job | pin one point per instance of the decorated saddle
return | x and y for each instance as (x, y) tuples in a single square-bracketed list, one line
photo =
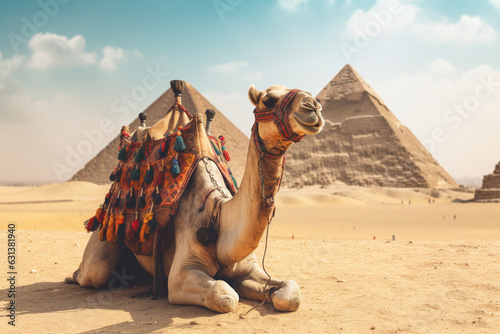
[(149, 180)]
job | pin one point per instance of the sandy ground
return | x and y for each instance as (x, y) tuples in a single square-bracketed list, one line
[(440, 275)]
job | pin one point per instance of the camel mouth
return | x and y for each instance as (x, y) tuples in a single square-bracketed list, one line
[(310, 123)]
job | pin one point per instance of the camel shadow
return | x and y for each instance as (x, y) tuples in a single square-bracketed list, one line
[(53, 299)]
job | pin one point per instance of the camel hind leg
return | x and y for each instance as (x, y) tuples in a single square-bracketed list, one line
[(98, 263)]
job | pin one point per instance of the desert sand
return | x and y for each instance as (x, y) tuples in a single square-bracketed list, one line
[(439, 275)]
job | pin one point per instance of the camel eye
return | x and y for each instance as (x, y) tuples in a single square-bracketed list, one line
[(269, 100)]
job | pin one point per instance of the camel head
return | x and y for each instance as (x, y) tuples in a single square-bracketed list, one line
[(285, 115)]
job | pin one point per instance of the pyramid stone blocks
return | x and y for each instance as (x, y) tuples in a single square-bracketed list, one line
[(491, 186), (362, 144)]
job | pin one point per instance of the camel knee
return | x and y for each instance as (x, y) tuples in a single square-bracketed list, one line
[(287, 298), (95, 277), (73, 279)]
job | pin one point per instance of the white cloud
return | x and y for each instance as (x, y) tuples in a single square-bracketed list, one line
[(495, 3), (49, 50), (6, 68), (253, 76), (239, 68), (384, 17), (291, 5), (231, 67), (442, 66), (468, 30), (112, 57), (396, 17)]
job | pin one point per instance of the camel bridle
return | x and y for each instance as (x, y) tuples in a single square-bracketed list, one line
[(280, 116)]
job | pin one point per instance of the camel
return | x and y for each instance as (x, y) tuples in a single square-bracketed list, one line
[(216, 273)]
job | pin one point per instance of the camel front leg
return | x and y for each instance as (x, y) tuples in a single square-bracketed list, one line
[(99, 260), (250, 280), (190, 283)]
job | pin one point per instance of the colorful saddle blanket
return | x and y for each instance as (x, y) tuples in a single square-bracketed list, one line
[(150, 179)]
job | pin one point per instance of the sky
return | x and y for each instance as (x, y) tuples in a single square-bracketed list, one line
[(72, 72)]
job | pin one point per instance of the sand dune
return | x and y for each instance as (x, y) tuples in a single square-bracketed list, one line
[(443, 281)]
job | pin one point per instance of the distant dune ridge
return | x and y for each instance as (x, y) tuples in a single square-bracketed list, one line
[(491, 186), (98, 169), (362, 144)]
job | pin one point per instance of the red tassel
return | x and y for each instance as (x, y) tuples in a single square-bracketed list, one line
[(90, 225), (135, 224), (163, 149), (132, 234), (226, 155), (160, 179)]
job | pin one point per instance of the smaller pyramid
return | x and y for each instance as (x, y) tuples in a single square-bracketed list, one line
[(362, 144), (98, 169), (491, 186)]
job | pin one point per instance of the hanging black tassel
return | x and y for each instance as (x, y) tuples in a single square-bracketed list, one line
[(118, 175), (157, 196), (149, 176), (152, 224), (131, 200), (142, 201), (139, 156), (136, 174), (118, 201), (122, 155), (112, 176), (121, 232)]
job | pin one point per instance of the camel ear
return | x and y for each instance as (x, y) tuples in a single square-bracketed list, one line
[(254, 95)]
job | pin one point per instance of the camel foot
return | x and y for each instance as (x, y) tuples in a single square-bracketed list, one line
[(69, 280), (72, 279), (222, 298), (287, 298)]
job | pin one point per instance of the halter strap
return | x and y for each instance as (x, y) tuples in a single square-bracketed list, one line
[(260, 147), (279, 115)]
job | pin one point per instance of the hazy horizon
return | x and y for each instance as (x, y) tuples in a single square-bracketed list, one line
[(72, 72)]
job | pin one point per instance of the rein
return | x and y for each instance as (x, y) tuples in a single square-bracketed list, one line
[(280, 116), (265, 154)]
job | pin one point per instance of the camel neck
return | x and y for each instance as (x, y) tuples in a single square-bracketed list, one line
[(245, 217)]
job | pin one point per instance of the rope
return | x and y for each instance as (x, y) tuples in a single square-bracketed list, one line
[(264, 268)]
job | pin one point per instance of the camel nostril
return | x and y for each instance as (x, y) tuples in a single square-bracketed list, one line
[(308, 105)]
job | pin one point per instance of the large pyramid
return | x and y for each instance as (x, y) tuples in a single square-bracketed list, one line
[(362, 144), (98, 169)]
